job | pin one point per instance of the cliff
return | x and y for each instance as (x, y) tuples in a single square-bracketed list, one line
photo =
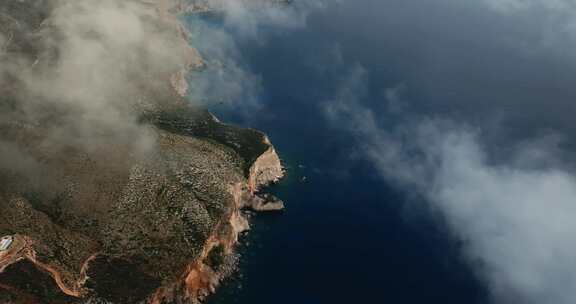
[(114, 188)]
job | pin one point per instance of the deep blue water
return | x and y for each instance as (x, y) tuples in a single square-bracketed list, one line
[(346, 236)]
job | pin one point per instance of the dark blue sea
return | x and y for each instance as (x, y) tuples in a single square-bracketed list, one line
[(346, 236)]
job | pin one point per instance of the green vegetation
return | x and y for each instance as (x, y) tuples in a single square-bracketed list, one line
[(216, 257), (199, 123)]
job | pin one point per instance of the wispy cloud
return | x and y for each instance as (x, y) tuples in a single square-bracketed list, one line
[(84, 71), (226, 79), (516, 219)]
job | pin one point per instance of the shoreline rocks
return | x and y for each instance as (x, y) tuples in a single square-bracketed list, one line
[(265, 203)]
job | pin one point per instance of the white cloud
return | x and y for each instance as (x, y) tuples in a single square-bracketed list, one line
[(86, 71), (514, 6), (247, 16), (226, 79), (517, 221)]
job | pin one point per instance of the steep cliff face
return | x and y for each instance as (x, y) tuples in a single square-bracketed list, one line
[(267, 169), (218, 260), (115, 191)]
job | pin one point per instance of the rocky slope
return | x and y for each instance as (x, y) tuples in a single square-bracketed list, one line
[(114, 188)]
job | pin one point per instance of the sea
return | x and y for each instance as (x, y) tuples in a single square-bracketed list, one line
[(346, 236)]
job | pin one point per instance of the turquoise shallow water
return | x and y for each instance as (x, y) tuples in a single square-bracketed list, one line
[(346, 237)]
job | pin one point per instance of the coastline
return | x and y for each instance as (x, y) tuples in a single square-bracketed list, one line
[(199, 278)]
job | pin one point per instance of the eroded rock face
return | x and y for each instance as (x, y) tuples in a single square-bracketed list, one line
[(266, 169), (130, 196)]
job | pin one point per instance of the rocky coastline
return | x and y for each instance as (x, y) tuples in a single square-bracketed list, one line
[(114, 226)]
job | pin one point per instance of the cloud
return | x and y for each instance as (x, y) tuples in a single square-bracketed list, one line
[(516, 219), (514, 6), (467, 57), (507, 191), (247, 17), (227, 80), (79, 73)]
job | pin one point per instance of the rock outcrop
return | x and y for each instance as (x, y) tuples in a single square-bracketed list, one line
[(264, 203), (266, 169)]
